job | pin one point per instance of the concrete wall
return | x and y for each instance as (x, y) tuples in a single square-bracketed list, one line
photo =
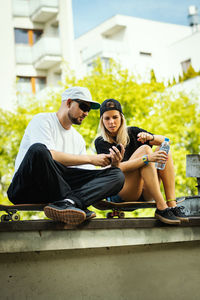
[(139, 259), (161, 271)]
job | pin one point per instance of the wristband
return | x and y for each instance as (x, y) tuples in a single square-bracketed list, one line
[(145, 159)]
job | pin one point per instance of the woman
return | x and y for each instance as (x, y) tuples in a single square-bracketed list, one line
[(137, 161)]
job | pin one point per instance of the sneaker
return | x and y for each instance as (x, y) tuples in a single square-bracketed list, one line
[(166, 216), (89, 214), (65, 211), (178, 211)]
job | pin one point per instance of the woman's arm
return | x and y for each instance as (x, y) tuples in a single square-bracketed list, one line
[(138, 162), (153, 139)]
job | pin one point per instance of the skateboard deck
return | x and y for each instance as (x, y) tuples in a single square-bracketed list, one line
[(12, 210), (118, 209)]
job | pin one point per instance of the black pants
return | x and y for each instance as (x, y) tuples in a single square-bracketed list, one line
[(40, 179)]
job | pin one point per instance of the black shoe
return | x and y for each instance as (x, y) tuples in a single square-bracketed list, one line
[(166, 216), (65, 211), (89, 214), (178, 211)]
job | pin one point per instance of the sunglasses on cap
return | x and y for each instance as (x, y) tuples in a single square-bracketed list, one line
[(82, 105)]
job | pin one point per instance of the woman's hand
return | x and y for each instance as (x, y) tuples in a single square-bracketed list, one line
[(116, 156), (158, 156), (143, 137)]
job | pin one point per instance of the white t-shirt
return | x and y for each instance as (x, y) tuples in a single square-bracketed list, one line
[(45, 128)]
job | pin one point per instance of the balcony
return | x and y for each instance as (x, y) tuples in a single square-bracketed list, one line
[(23, 54), (38, 10), (46, 53), (43, 10), (104, 47), (20, 8)]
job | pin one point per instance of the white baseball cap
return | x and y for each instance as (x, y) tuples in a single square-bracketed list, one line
[(81, 93)]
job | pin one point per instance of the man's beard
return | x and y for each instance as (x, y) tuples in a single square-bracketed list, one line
[(74, 120)]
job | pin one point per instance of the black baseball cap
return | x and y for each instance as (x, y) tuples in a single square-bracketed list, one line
[(110, 104)]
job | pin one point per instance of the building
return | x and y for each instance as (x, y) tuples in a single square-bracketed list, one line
[(36, 36), (141, 45)]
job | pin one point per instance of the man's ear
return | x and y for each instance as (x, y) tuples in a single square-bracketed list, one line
[(68, 102)]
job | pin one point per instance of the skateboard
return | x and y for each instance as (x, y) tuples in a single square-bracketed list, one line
[(12, 210), (118, 209)]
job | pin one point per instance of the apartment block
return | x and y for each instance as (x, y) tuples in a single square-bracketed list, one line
[(141, 45), (36, 37)]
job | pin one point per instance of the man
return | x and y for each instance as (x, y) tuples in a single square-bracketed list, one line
[(52, 165)]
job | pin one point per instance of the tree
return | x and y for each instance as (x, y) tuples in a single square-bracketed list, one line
[(191, 73), (153, 76)]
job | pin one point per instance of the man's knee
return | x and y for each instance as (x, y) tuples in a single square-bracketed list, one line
[(38, 150), (119, 177)]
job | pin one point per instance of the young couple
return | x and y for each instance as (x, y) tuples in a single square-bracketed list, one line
[(52, 166)]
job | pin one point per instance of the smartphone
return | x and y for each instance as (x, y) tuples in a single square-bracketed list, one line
[(118, 147)]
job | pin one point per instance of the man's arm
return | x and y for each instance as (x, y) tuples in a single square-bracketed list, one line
[(66, 159)]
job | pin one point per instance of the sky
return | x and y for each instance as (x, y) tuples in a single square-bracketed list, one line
[(87, 14)]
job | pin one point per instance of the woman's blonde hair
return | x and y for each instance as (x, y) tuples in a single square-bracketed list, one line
[(122, 135)]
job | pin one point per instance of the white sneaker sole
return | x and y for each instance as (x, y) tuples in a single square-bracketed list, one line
[(167, 221)]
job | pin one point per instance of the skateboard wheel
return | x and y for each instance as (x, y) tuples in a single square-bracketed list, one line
[(109, 215), (5, 218), (121, 215), (15, 217)]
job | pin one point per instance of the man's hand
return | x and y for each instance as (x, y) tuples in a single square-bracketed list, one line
[(143, 137), (101, 160), (116, 155)]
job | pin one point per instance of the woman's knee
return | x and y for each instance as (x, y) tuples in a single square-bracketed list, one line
[(147, 149), (142, 150)]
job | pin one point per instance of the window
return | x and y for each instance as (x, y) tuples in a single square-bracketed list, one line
[(145, 53), (185, 65), (21, 36), (105, 62), (30, 84), (27, 36), (36, 35), (40, 83)]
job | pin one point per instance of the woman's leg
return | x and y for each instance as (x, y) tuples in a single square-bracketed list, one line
[(168, 178), (145, 177)]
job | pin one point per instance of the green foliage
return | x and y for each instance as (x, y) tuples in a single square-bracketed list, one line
[(146, 105), (153, 76), (191, 73)]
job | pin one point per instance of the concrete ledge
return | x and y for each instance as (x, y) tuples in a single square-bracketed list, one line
[(44, 235)]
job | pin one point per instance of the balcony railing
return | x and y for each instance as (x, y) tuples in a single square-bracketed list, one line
[(20, 8), (23, 54), (103, 48), (43, 10), (43, 55), (39, 10), (46, 52)]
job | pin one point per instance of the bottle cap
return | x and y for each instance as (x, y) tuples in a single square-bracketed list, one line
[(166, 139)]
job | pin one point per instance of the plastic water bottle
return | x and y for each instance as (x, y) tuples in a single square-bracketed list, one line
[(164, 147)]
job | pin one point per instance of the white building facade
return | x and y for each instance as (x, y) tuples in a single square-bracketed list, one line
[(140, 45), (36, 36)]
